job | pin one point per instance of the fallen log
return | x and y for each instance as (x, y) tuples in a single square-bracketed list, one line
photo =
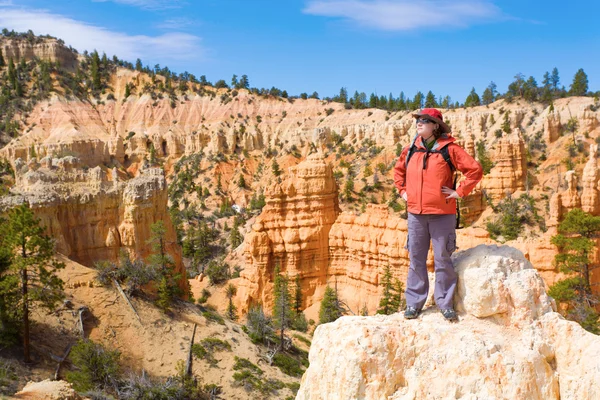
[(188, 365), (118, 286)]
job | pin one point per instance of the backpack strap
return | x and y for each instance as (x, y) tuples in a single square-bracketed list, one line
[(411, 151)]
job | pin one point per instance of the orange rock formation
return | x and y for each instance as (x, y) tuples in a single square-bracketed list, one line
[(292, 232), (92, 214), (510, 169)]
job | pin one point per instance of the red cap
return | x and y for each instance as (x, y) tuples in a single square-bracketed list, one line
[(435, 115)]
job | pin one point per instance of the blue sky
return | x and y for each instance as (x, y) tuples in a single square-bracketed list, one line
[(377, 46)]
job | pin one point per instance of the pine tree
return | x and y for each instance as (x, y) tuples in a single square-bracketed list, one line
[(489, 95), (418, 101), (32, 268), (244, 82), (472, 99), (576, 243), (138, 65), (297, 295), (555, 79), (373, 100), (430, 100), (506, 122), (343, 96), (127, 90), (349, 188), (241, 182), (447, 102), (235, 237), (231, 308), (397, 303), (530, 90), (95, 71), (401, 101), (163, 263), (2, 62), (483, 158), (385, 304), (10, 316), (275, 168), (579, 87), (282, 305), (515, 88), (330, 309)]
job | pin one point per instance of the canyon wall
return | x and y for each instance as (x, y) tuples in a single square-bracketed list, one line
[(93, 213)]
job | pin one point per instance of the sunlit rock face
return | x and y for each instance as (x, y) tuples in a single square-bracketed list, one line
[(508, 344)]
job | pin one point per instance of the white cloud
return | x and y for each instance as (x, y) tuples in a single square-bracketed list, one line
[(406, 15), (177, 23), (147, 4), (172, 46)]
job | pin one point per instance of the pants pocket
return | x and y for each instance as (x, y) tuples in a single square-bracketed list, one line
[(451, 243)]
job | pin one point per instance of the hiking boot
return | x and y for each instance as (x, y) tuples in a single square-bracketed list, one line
[(411, 312), (450, 314)]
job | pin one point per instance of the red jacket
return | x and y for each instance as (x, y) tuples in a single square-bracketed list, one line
[(423, 186)]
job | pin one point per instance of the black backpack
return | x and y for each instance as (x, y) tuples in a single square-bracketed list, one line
[(446, 154)]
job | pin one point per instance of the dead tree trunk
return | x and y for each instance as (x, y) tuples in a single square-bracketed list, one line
[(61, 361), (126, 299), (81, 311), (188, 366)]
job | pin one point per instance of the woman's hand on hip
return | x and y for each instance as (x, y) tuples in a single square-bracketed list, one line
[(404, 196), (450, 193)]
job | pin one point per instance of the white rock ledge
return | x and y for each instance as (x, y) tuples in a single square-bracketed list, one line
[(508, 344)]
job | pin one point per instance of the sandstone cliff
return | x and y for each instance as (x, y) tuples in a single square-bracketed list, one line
[(53, 50), (510, 168), (508, 344), (93, 213), (293, 233)]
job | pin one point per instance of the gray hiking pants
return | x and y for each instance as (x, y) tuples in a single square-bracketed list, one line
[(440, 230)]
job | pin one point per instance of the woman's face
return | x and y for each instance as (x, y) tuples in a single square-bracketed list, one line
[(425, 127)]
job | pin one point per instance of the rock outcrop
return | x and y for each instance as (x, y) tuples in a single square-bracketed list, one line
[(53, 50), (510, 168), (563, 202), (93, 214), (508, 344), (293, 233), (590, 196), (48, 390)]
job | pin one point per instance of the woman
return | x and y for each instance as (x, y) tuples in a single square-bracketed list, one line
[(423, 176)]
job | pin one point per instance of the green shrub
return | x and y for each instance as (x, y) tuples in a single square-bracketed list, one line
[(217, 272), (249, 376), (212, 315), (299, 323), (293, 386), (7, 372), (259, 325), (512, 215), (96, 367), (303, 339), (244, 363), (204, 296), (207, 347), (288, 365)]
